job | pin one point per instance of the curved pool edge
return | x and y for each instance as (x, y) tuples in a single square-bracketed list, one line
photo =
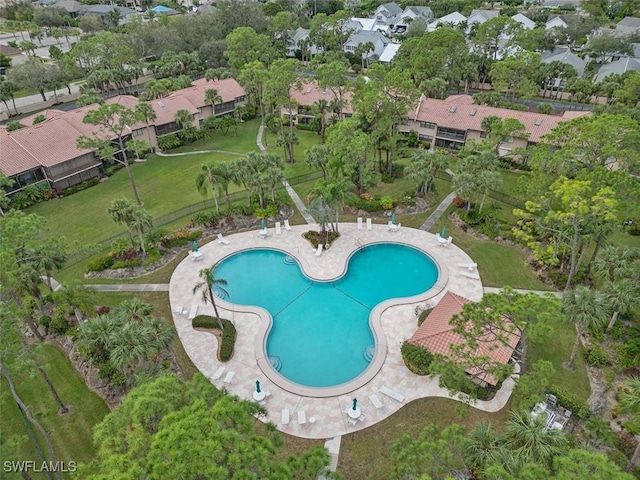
[(375, 324)]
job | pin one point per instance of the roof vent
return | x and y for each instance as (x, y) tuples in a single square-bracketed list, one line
[(538, 122), (453, 109), (161, 105), (473, 112)]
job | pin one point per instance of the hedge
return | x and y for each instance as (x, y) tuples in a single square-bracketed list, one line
[(416, 358), (570, 402), (228, 334)]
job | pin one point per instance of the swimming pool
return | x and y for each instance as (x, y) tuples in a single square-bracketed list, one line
[(321, 335)]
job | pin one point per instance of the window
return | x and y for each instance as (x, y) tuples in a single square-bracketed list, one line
[(484, 135), (425, 138), (349, 48), (137, 132), (405, 121), (428, 125)]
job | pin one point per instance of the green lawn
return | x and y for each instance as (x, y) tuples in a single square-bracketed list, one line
[(72, 434), (243, 140), (366, 453)]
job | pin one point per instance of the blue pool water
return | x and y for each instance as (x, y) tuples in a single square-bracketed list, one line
[(320, 335)]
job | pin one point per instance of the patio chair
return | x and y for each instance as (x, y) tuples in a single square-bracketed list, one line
[(178, 310), (229, 377), (193, 312), (286, 225), (369, 227), (359, 223), (468, 266), (471, 275), (222, 240), (264, 233), (376, 401), (302, 417), (278, 229), (284, 416), (319, 250), (218, 373), (392, 394)]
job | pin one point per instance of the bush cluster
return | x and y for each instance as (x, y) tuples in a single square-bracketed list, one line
[(206, 219), (80, 186), (569, 401), (31, 195), (110, 171), (416, 358), (228, 334), (180, 237), (596, 356)]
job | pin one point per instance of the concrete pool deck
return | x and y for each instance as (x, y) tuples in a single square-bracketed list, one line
[(397, 322)]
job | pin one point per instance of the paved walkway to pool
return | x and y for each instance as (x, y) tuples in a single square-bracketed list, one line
[(398, 323)]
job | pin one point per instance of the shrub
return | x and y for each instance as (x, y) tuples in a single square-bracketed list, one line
[(101, 263), (180, 237), (459, 202), (386, 202), (59, 323), (168, 142), (367, 205), (136, 262), (207, 219), (569, 401), (45, 321), (229, 334), (119, 246), (80, 186), (416, 358), (596, 356), (308, 128), (155, 235)]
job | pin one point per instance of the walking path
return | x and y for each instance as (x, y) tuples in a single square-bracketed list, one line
[(297, 201), (437, 213), (542, 293), (130, 287)]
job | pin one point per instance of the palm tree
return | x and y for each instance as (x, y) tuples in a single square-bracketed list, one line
[(49, 258), (214, 175), (465, 184), (76, 296), (323, 214), (147, 114), (531, 441), (335, 192), (321, 108), (584, 308), (629, 398), (184, 118), (211, 96), (135, 309), (208, 285), (484, 443), (121, 211), (141, 222)]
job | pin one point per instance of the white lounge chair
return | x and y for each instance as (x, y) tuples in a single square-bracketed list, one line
[(218, 373), (284, 417), (286, 225), (473, 275), (468, 266), (229, 377), (222, 240), (319, 250), (369, 227), (375, 401), (278, 229), (193, 312), (392, 394), (359, 223), (302, 417), (178, 310)]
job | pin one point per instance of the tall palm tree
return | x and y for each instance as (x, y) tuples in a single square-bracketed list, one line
[(335, 192), (484, 443), (321, 108), (214, 175), (49, 258), (141, 222), (583, 307), (121, 211), (184, 118), (322, 213), (208, 284), (629, 398), (147, 114), (531, 441), (212, 97)]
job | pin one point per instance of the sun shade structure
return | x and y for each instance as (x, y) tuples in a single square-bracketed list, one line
[(437, 336)]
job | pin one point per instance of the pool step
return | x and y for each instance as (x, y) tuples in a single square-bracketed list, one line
[(369, 352), (289, 260), (276, 363)]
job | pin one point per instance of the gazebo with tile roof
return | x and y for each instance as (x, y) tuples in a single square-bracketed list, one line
[(436, 334)]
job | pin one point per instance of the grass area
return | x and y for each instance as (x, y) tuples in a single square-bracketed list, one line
[(557, 350), (498, 265), (243, 140), (366, 453), (72, 434)]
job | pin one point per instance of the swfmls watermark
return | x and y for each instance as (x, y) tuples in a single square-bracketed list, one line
[(31, 466)]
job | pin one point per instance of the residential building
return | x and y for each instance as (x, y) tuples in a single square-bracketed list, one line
[(566, 56), (377, 39), (307, 97), (389, 52), (452, 122), (453, 19), (479, 16), (523, 20), (47, 152), (388, 14), (103, 12), (617, 67), (437, 336)]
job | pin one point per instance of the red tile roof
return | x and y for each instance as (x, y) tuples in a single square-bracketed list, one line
[(437, 335), (443, 113), (13, 158), (309, 93), (228, 88)]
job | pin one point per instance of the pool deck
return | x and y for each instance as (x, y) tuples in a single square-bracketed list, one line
[(397, 322)]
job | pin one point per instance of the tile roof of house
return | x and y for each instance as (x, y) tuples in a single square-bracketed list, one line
[(437, 335), (309, 93), (619, 66), (633, 22), (228, 88), (167, 107), (13, 158), (9, 50), (424, 11), (389, 52), (454, 18), (523, 20), (364, 36), (463, 117), (393, 8), (565, 55), (486, 14)]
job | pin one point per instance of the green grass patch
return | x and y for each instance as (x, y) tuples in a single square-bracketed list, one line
[(498, 265), (71, 435), (242, 140), (366, 453)]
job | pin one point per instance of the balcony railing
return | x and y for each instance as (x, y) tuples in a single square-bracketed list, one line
[(460, 137)]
